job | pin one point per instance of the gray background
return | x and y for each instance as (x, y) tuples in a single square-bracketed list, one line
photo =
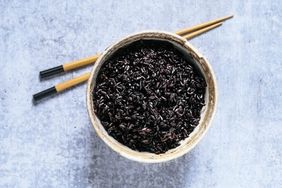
[(54, 145)]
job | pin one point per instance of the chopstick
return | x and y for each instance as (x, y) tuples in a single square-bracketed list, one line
[(90, 60), (203, 25), (68, 66), (201, 31), (61, 87), (84, 77)]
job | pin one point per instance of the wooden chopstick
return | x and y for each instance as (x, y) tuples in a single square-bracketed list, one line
[(84, 77), (61, 87), (68, 66), (203, 25), (90, 60), (201, 31)]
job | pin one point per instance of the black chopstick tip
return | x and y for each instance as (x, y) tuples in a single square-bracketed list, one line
[(51, 72), (43, 94)]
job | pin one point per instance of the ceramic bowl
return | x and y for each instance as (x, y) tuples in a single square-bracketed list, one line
[(206, 115)]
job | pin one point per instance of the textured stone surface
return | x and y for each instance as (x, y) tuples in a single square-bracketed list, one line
[(54, 145)]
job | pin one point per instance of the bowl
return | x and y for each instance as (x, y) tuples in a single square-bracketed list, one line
[(207, 112)]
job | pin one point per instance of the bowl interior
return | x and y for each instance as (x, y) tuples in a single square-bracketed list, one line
[(206, 114)]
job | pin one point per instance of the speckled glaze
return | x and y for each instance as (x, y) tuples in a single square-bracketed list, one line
[(207, 112)]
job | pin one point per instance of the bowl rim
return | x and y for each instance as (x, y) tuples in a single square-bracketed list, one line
[(145, 156)]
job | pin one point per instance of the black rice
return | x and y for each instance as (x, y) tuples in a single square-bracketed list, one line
[(148, 96)]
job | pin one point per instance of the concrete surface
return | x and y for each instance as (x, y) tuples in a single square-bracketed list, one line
[(54, 145)]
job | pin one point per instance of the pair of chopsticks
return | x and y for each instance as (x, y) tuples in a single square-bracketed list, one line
[(187, 33)]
